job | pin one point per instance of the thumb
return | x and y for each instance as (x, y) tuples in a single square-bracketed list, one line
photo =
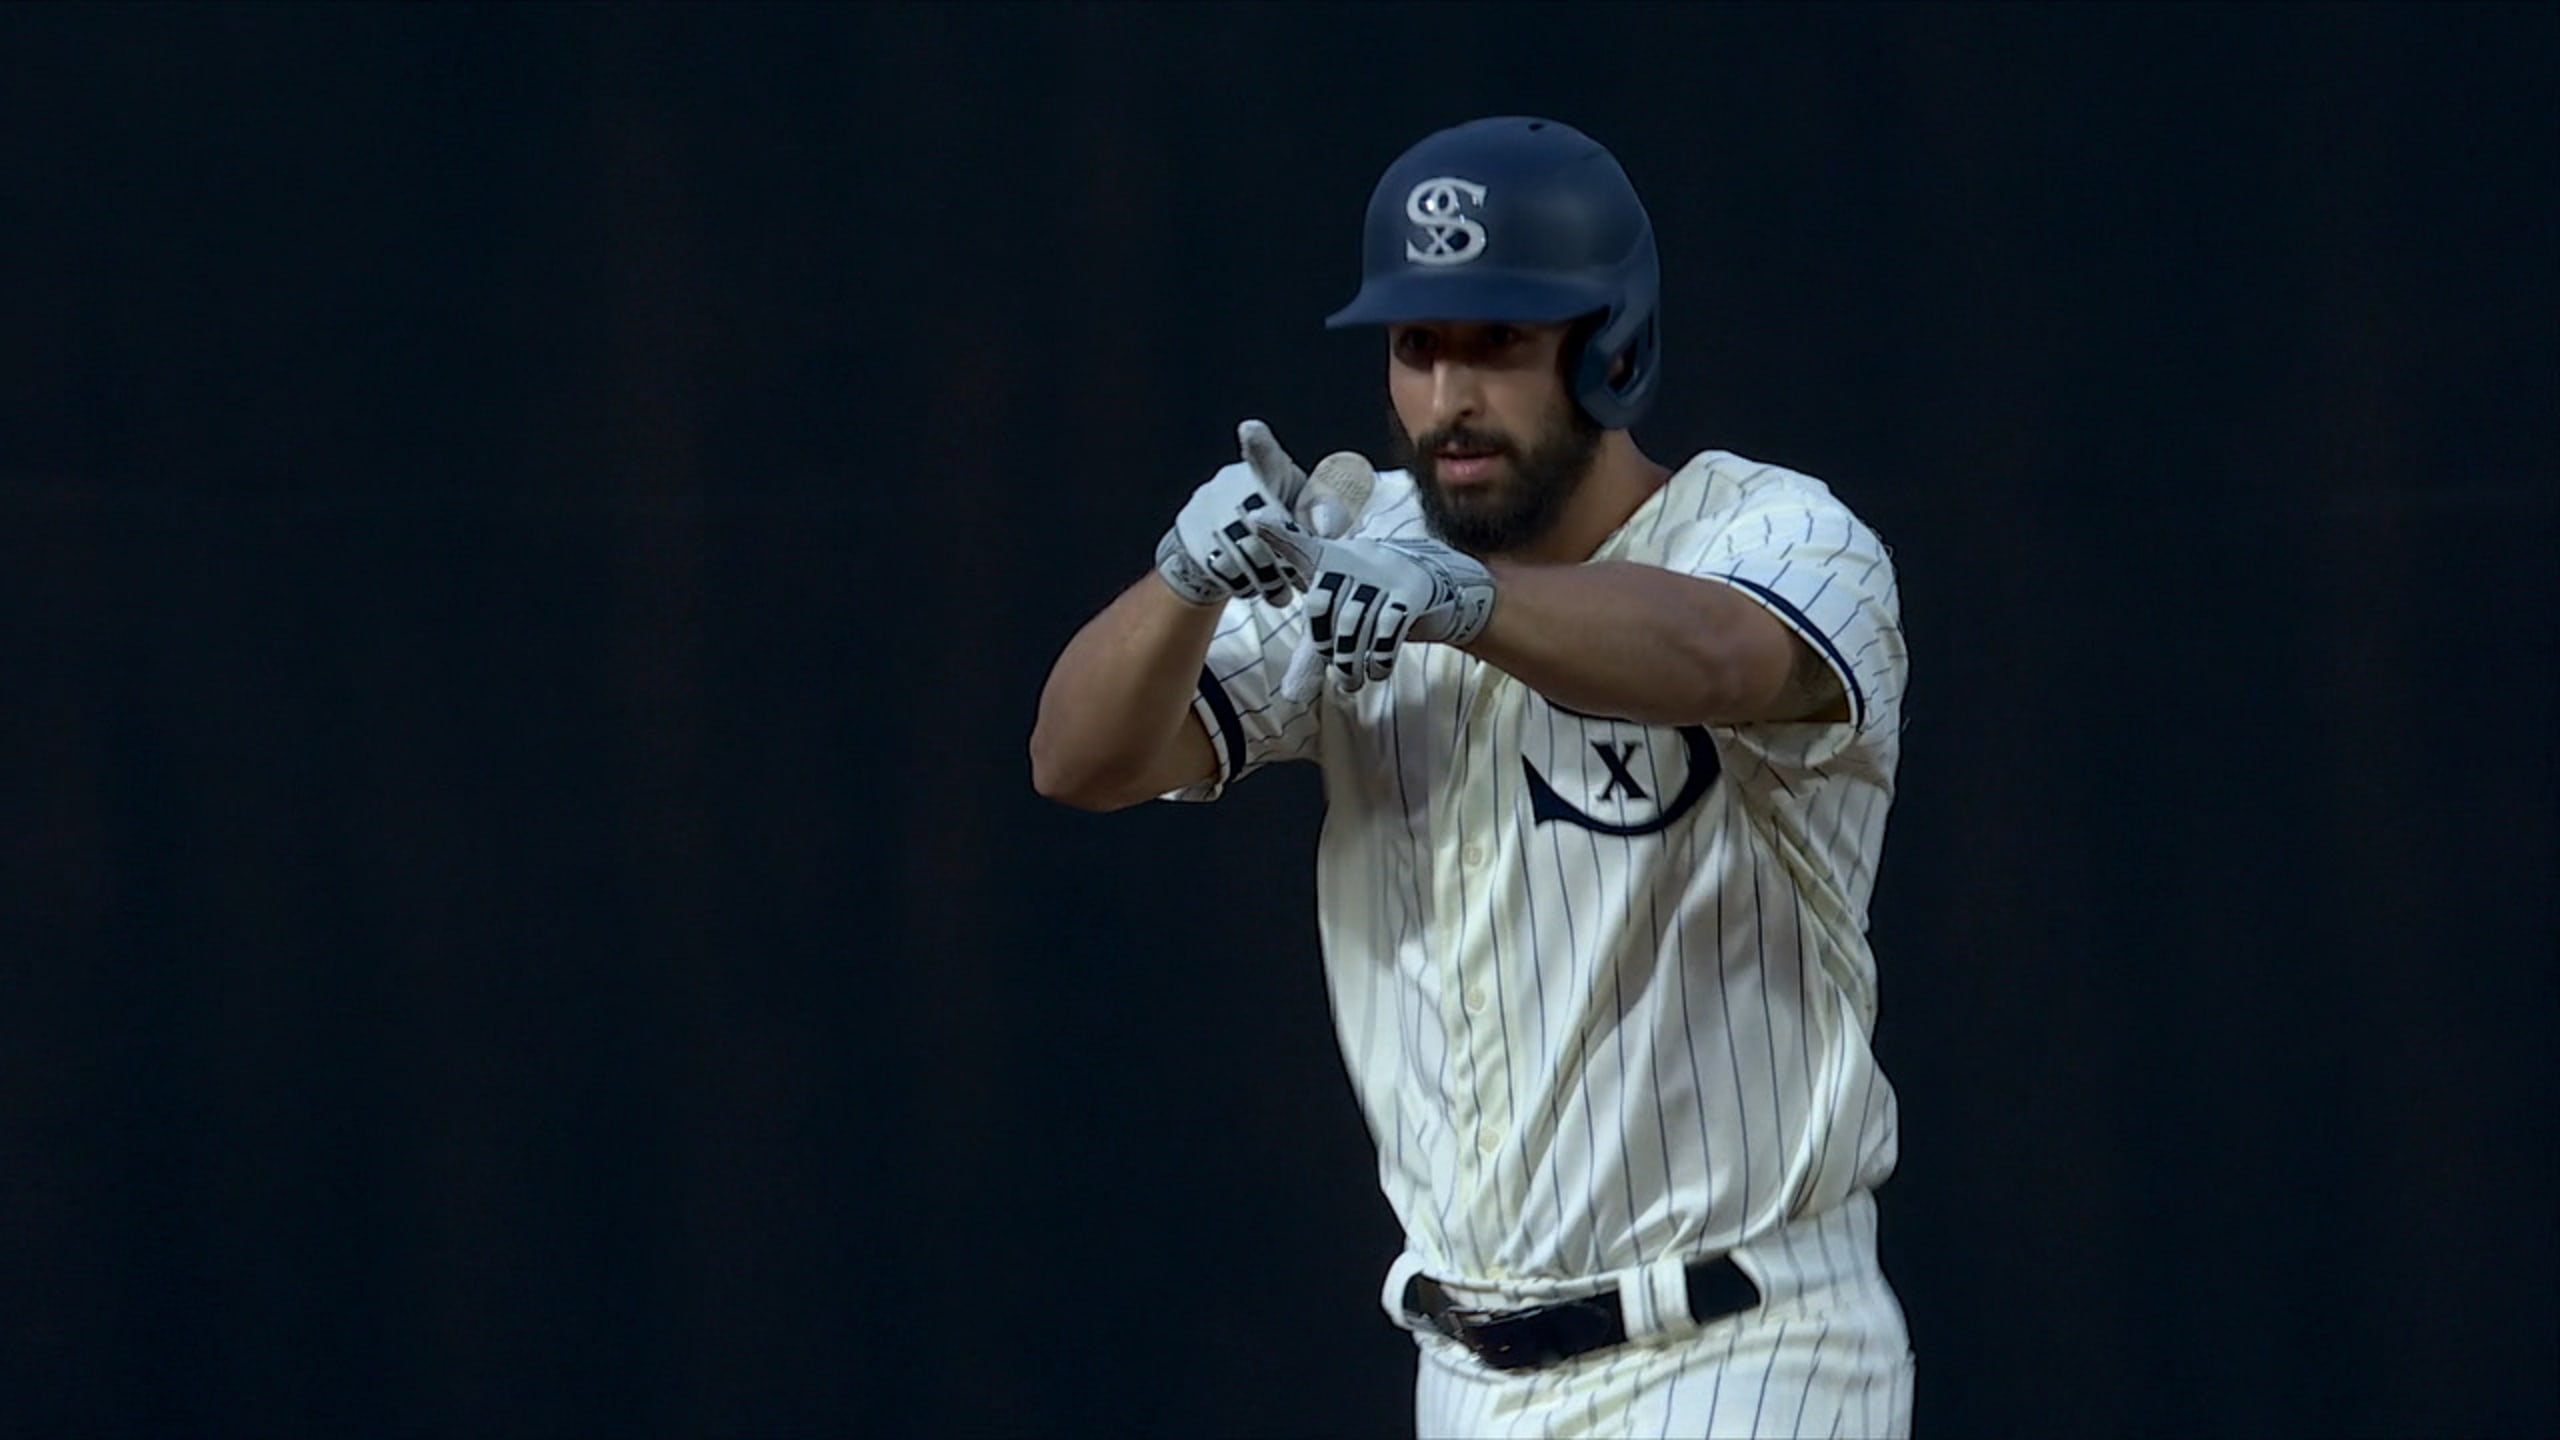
[(1271, 465)]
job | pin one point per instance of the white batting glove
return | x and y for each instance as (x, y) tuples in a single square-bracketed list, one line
[(1367, 597), (1212, 555)]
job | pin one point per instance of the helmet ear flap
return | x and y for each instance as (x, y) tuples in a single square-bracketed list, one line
[(1619, 367)]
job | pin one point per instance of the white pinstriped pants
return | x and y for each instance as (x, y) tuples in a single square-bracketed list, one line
[(1827, 1355)]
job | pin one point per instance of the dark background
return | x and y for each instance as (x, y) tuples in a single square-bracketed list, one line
[(530, 539)]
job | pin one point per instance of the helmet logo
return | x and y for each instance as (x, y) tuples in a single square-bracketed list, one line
[(1449, 235)]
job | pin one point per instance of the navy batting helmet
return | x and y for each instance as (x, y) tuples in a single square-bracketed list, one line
[(1527, 220)]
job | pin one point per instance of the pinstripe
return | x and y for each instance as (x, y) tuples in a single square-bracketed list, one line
[(1427, 1019), (1806, 981), (1873, 1107), (1689, 1042), (1768, 1017), (1547, 1059), (1590, 1259), (1812, 1372), (1733, 1056), (1760, 1402), (1511, 1212), (1454, 989), (1404, 800), (1618, 1036), (1816, 598), (1454, 984), (1659, 504), (1608, 1375), (1724, 1367), (1653, 1052)]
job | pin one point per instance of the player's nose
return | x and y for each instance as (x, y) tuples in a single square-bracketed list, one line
[(1457, 394)]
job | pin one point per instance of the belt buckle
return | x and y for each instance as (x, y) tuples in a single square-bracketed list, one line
[(1473, 1329), (1459, 1323)]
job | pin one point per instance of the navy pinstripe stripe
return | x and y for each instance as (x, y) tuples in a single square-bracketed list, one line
[(1580, 1068), (1230, 726), (1732, 1055), (1420, 912), (1618, 1036), (1812, 1372), (1777, 1347), (1483, 705), (1769, 1030), (1815, 633), (1654, 1056), (1689, 1027)]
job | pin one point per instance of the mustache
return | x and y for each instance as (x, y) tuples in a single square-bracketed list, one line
[(1460, 437)]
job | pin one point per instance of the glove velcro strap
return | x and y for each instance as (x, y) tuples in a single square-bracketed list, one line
[(1185, 576)]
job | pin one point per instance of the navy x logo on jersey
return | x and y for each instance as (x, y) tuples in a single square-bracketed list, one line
[(1605, 764), (1615, 757)]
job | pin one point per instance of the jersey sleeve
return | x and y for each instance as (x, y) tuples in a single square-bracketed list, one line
[(1827, 577), (1239, 703)]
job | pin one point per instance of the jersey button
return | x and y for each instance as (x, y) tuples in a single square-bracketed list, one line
[(1473, 854), (1475, 999), (1488, 1140)]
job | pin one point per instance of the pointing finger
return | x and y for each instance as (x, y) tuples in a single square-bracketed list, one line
[(1279, 474)]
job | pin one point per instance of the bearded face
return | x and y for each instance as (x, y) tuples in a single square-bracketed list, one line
[(1489, 491)]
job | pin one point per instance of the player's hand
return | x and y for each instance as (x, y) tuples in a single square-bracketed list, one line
[(1212, 554), (1367, 597)]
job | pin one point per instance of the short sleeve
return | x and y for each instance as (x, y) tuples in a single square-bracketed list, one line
[(1239, 703), (1826, 576)]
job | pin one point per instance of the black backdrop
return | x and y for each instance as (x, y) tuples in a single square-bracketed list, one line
[(532, 537)]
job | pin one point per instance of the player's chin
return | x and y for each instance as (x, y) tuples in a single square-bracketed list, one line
[(1487, 490)]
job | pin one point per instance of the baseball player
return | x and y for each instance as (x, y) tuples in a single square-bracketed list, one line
[(1607, 750)]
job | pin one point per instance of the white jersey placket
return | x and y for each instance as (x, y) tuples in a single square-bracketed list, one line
[(1471, 858)]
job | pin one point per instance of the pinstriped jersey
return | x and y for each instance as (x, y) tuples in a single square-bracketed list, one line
[(1603, 988)]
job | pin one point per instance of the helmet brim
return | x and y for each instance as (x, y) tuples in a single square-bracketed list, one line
[(1476, 295)]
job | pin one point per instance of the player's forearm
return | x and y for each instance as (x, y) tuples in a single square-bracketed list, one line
[(1635, 642), (1120, 693)]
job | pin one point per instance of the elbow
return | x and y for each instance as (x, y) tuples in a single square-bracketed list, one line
[(1052, 778), (1081, 787), (1743, 676)]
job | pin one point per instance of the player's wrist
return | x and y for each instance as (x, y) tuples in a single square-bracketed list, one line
[(1463, 591), (1185, 576)]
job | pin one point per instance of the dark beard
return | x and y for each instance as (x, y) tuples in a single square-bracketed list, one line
[(1517, 510)]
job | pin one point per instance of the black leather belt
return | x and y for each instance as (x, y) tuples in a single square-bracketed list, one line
[(1545, 1334)]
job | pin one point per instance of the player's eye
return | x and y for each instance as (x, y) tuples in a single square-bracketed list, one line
[(1415, 347), (1501, 337)]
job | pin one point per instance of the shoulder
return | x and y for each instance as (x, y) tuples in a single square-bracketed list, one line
[(1720, 485), (1719, 502)]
